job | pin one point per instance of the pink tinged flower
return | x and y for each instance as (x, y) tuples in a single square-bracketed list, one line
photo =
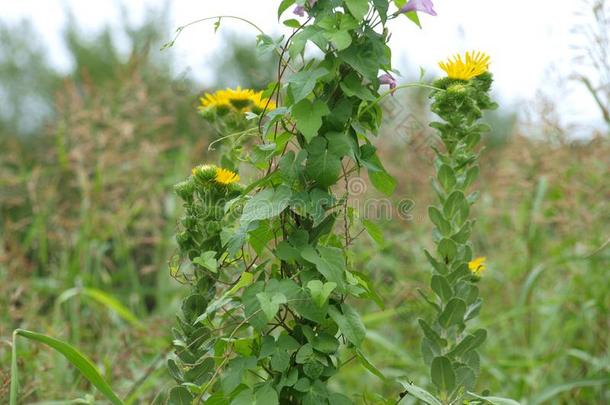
[(425, 6), (299, 10), (388, 79)]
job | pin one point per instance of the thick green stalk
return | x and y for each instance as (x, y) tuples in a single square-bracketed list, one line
[(449, 346)]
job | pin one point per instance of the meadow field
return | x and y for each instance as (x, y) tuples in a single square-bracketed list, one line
[(88, 217)]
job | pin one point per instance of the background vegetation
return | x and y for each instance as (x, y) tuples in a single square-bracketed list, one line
[(87, 215)]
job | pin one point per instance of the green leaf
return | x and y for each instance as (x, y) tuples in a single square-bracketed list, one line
[(463, 234), (270, 304), (283, 7), (358, 8), (352, 86), (366, 57), (260, 237), (292, 23), (383, 182), (349, 322), (266, 395), (308, 116), (465, 378), (301, 84), (470, 342), (329, 261), (431, 334), (280, 361), (447, 249), (304, 354), (322, 165), (233, 374), (267, 204), (340, 144), (418, 393), (496, 400), (207, 260), (471, 176), (446, 177), (439, 220), (279, 351), (325, 343), (442, 374), (180, 396), (441, 287), (244, 281), (456, 203), (374, 231), (291, 166), (382, 8), (412, 15), (341, 39), (75, 357), (286, 252), (320, 292), (438, 266), (369, 366), (339, 399), (309, 33), (244, 397), (453, 314)]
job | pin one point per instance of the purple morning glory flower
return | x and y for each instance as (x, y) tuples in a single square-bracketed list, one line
[(425, 6), (299, 10), (388, 79)]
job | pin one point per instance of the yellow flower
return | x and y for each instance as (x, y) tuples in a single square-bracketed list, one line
[(214, 100), (476, 64), (239, 100), (477, 266), (225, 177), (259, 102)]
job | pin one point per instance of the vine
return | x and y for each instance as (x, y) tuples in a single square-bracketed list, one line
[(270, 318)]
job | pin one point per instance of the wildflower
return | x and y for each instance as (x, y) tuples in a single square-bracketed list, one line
[(260, 103), (425, 6), (477, 266), (225, 176), (237, 100), (475, 64), (300, 10), (388, 79), (216, 100)]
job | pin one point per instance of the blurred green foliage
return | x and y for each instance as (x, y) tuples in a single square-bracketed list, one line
[(87, 162)]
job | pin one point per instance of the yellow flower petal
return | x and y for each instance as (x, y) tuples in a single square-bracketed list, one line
[(225, 177), (474, 64), (238, 100), (477, 266)]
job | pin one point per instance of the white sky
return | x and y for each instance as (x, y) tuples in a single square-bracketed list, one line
[(530, 42)]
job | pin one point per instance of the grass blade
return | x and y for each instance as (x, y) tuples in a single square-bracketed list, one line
[(554, 390), (104, 299), (495, 400), (79, 360), (14, 377), (113, 304)]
